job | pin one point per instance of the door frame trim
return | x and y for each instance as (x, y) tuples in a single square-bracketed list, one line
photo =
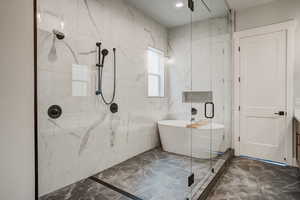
[(289, 27)]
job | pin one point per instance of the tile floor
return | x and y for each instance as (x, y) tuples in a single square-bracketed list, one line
[(158, 175), (254, 180), (155, 175), (85, 190)]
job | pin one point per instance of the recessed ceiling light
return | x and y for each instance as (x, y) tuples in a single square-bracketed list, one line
[(179, 4)]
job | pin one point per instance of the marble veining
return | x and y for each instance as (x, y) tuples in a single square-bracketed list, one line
[(92, 18), (87, 134), (158, 175), (88, 138), (60, 127), (153, 175), (249, 179), (85, 190)]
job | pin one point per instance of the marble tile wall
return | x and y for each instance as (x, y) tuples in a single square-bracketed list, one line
[(87, 138)]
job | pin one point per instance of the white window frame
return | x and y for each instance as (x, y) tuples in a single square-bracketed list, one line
[(160, 75)]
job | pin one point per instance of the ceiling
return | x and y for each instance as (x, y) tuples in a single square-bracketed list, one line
[(166, 13), (243, 4)]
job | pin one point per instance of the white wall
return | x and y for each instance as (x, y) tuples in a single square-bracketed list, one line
[(16, 100), (275, 12)]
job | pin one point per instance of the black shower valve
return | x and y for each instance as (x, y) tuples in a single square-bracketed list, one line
[(114, 108), (54, 111)]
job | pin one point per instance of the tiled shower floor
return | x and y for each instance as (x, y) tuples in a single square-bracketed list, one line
[(153, 175), (156, 175), (85, 190)]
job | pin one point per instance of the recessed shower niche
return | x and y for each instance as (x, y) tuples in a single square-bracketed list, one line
[(119, 105)]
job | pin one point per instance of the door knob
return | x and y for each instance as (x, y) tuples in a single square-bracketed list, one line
[(280, 113)]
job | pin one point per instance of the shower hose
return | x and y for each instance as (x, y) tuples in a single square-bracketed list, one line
[(100, 77)]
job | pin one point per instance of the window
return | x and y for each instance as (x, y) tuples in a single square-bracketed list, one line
[(156, 77)]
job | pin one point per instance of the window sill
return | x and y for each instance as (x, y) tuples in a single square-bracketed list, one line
[(164, 99)]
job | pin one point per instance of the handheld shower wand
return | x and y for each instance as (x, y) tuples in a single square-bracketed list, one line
[(104, 53), (100, 65)]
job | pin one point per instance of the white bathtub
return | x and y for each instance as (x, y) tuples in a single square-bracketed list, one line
[(195, 142)]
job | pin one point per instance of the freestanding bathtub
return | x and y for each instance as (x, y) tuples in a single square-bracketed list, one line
[(202, 142)]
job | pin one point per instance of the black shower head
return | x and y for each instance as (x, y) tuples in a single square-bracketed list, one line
[(59, 35), (98, 44), (104, 54)]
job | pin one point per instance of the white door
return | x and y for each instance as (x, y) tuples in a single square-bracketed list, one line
[(263, 95)]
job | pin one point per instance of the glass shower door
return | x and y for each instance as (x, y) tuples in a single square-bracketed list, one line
[(200, 98), (210, 90), (221, 84)]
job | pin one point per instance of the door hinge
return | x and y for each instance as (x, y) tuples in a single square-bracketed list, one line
[(239, 49), (191, 180), (239, 79), (239, 139), (239, 108)]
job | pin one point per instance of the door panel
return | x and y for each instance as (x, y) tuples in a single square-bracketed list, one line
[(263, 93)]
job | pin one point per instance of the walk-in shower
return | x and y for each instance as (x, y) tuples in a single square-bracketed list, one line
[(134, 98)]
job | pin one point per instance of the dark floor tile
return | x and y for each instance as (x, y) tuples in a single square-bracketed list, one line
[(153, 175), (156, 175), (85, 190), (249, 179)]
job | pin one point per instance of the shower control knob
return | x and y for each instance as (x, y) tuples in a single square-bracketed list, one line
[(54, 111), (114, 108)]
